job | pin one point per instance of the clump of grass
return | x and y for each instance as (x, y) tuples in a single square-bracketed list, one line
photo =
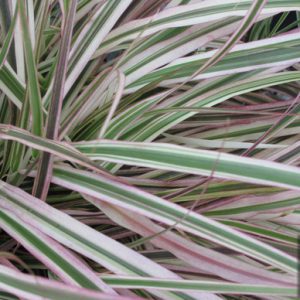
[(149, 149)]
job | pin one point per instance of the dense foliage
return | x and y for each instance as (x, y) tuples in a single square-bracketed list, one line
[(149, 149)]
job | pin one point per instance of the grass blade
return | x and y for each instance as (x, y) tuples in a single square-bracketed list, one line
[(32, 77), (42, 182), (37, 288)]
